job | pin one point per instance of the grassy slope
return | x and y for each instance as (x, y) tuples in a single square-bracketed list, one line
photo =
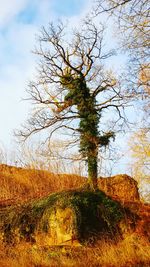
[(18, 184)]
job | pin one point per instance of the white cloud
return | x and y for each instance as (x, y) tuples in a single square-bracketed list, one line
[(9, 9), (17, 66), (17, 63), (12, 109)]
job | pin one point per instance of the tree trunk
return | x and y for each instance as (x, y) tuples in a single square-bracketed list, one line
[(92, 170)]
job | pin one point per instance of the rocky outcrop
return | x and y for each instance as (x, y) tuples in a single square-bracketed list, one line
[(120, 186)]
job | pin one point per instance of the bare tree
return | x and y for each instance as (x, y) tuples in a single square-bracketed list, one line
[(133, 21), (72, 91)]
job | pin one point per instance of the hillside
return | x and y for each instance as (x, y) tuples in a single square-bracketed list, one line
[(22, 184), (39, 209), (19, 184)]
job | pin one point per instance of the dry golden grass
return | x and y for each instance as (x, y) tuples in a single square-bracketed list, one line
[(133, 251), (18, 184)]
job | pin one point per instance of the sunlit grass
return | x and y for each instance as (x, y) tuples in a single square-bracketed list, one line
[(23, 184), (131, 251)]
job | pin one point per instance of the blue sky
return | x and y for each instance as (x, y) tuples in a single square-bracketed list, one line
[(68, 7)]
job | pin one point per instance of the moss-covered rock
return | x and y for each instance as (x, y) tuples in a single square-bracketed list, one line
[(66, 217)]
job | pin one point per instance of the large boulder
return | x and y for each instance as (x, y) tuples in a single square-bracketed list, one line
[(69, 217), (122, 187)]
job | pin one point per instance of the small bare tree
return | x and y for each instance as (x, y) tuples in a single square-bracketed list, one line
[(72, 91)]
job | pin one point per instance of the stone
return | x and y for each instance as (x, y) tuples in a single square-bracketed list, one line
[(61, 225), (122, 187)]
